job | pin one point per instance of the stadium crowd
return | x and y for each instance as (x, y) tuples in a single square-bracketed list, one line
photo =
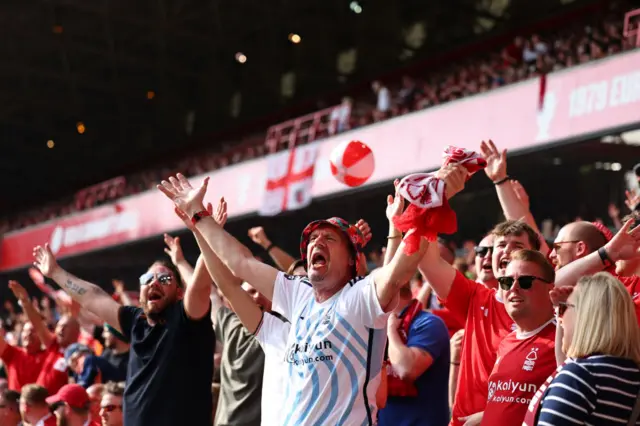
[(527, 56), (536, 332)]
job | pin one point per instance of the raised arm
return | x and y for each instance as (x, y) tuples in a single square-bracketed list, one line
[(513, 199), (389, 278), (243, 305), (39, 326), (395, 206), (624, 245), (230, 251), (281, 258), (88, 295), (174, 250)]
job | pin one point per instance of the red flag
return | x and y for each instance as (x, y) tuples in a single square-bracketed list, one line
[(289, 180)]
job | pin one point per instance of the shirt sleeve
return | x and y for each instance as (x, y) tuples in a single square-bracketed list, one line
[(290, 292), (127, 316), (460, 295), (9, 354), (429, 333), (570, 399), (273, 334), (360, 303)]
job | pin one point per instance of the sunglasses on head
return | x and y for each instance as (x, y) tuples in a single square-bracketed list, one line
[(482, 250), (524, 281), (163, 278), (110, 408), (562, 307)]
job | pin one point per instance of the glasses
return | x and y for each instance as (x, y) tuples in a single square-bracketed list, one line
[(524, 281), (562, 307), (556, 246), (164, 278), (482, 250), (110, 408)]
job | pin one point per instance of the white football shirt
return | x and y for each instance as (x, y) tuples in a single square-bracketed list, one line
[(272, 336), (334, 352)]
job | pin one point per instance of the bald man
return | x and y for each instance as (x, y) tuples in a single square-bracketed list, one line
[(574, 241)]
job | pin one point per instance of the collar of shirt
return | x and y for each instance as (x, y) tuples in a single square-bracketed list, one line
[(42, 420)]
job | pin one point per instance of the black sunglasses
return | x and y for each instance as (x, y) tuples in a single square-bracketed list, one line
[(164, 279), (482, 250), (562, 307), (524, 281)]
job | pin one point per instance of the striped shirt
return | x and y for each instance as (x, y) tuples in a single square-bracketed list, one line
[(597, 390), (334, 352)]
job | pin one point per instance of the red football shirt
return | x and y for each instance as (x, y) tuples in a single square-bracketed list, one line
[(632, 285), (54, 374), (525, 361), (486, 324), (22, 368)]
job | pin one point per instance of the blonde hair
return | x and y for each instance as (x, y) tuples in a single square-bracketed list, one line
[(606, 320)]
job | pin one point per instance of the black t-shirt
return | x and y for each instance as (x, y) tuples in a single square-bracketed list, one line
[(170, 368)]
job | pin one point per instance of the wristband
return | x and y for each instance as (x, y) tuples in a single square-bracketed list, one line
[(501, 181), (604, 256), (199, 215), (268, 249), (392, 237), (454, 363)]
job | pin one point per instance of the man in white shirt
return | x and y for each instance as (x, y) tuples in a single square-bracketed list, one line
[(336, 341)]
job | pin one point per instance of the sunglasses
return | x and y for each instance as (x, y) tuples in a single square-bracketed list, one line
[(556, 246), (482, 250), (110, 408), (164, 278), (524, 281), (562, 307)]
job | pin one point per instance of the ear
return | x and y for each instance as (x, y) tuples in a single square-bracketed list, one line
[(581, 249), (180, 293)]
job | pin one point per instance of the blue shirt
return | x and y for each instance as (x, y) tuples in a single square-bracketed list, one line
[(431, 407)]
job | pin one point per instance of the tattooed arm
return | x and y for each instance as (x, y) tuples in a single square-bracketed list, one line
[(89, 296)]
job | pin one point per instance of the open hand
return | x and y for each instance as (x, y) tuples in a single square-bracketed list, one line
[(173, 249), (496, 169), (45, 261), (118, 286), (19, 292), (221, 212), (184, 196), (625, 244)]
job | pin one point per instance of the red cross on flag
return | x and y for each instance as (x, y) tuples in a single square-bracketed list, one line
[(289, 180)]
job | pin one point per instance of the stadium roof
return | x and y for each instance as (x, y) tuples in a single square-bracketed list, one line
[(129, 73)]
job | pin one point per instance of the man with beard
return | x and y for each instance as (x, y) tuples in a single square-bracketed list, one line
[(72, 406), (9, 408), (483, 311), (172, 340), (337, 335)]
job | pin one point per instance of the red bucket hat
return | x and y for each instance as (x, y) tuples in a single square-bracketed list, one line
[(352, 233)]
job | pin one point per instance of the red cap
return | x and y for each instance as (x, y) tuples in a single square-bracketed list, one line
[(73, 395)]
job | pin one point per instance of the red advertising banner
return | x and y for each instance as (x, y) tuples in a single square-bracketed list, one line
[(590, 98)]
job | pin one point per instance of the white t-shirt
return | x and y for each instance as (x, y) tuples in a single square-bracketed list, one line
[(272, 336), (334, 352)]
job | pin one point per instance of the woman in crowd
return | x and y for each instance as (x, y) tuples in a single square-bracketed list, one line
[(600, 382)]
